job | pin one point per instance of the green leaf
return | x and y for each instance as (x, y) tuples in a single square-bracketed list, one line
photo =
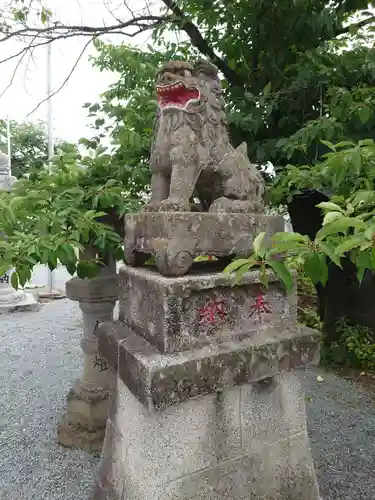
[(237, 264), (315, 266), (242, 270), (289, 236), (349, 244), (87, 269), (357, 161), (363, 260), (257, 244), (331, 216), (267, 88), (329, 250), (52, 261), (345, 144), (373, 258), (364, 114), (14, 280), (65, 254), (370, 232), (366, 142), (329, 144), (71, 268), (360, 273), (340, 225), (282, 272), (328, 205)]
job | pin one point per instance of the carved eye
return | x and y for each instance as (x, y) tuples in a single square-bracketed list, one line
[(187, 72)]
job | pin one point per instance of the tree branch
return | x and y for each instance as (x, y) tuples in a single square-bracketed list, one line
[(360, 24), (201, 44), (60, 29), (68, 76)]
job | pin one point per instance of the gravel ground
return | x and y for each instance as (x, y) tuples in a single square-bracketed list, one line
[(40, 357), (341, 422)]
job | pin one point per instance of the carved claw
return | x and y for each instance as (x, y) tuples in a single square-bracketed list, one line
[(151, 207), (174, 205)]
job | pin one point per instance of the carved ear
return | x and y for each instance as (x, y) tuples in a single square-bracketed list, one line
[(242, 149), (203, 66)]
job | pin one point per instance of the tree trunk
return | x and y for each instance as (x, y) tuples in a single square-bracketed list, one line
[(342, 297)]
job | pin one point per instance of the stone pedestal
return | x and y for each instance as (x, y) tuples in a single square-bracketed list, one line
[(175, 238), (83, 425), (205, 404)]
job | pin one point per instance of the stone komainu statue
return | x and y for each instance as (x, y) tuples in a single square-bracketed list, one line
[(191, 155)]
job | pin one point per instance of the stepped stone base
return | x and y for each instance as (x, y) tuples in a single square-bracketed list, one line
[(204, 403)]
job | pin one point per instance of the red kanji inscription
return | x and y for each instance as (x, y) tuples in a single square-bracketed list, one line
[(260, 307), (212, 311)]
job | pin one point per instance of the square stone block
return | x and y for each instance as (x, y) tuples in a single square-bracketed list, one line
[(271, 410), (203, 448), (182, 439), (161, 380), (177, 314), (262, 475), (112, 463), (175, 238)]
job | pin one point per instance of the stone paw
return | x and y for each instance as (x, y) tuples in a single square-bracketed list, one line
[(225, 205), (174, 205), (151, 207)]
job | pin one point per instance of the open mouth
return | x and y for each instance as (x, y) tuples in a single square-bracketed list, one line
[(176, 95)]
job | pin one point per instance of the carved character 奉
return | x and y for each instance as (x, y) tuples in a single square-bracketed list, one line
[(191, 154)]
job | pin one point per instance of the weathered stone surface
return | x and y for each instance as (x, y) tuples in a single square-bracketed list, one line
[(191, 149), (93, 290), (77, 436), (113, 462), (161, 380), (204, 405), (176, 314), (83, 424), (87, 408), (204, 448), (175, 238)]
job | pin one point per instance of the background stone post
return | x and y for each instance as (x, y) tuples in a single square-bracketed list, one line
[(83, 424), (11, 299)]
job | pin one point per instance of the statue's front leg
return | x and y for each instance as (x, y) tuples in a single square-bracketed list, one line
[(185, 172), (159, 191)]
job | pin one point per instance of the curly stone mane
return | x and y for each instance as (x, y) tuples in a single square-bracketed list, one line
[(206, 116)]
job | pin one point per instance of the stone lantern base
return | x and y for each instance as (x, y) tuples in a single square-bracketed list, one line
[(12, 300)]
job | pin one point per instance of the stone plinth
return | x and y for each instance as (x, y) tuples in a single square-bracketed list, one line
[(176, 238), (83, 424), (217, 416), (201, 309)]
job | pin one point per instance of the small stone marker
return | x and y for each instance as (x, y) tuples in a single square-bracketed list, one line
[(12, 300)]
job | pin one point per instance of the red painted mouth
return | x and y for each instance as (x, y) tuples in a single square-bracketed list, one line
[(176, 95)]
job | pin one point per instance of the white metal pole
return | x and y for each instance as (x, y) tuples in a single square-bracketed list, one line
[(9, 142), (50, 138)]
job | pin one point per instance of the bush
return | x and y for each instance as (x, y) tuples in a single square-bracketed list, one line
[(355, 349)]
